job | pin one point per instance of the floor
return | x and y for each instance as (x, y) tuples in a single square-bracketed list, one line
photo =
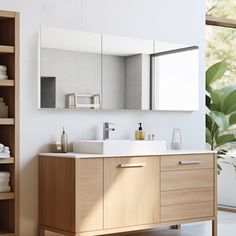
[(226, 227)]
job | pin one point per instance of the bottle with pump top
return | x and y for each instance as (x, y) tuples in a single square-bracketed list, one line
[(140, 134)]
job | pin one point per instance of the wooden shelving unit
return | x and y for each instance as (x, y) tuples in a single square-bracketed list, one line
[(9, 127)]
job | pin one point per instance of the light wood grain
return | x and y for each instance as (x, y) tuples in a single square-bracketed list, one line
[(9, 160), (57, 192), (89, 194), (6, 49), (7, 196), (187, 196), (188, 179), (186, 211), (174, 162), (217, 21), (131, 195), (7, 121), (7, 14), (7, 82)]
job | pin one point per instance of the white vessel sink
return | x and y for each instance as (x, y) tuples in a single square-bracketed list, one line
[(119, 147)]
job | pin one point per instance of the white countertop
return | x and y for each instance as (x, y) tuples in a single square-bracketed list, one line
[(81, 155)]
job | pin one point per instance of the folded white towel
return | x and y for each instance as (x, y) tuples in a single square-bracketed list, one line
[(5, 189), (6, 149), (3, 68), (3, 77), (4, 184), (2, 72), (5, 174), (1, 147), (4, 155), (4, 179)]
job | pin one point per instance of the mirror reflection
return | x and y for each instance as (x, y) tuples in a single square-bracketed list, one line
[(70, 69), (83, 70)]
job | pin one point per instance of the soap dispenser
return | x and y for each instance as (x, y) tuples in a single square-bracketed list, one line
[(64, 142), (140, 134)]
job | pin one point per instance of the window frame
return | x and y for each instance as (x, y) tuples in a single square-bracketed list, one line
[(218, 21)]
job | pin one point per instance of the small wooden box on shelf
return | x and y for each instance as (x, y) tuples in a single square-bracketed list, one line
[(9, 127)]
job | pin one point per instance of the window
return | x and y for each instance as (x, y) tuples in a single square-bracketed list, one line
[(221, 37)]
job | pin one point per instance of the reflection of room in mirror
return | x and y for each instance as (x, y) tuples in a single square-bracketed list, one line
[(75, 72), (87, 70)]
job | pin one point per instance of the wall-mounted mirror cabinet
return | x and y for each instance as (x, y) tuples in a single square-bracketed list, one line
[(83, 70)]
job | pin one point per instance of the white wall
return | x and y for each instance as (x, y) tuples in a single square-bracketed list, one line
[(178, 21)]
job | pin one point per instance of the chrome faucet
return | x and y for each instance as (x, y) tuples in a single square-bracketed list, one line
[(107, 129)]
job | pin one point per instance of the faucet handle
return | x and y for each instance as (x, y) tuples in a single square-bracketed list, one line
[(108, 123)]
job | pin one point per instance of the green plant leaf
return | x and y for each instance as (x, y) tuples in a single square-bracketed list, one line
[(214, 73), (208, 102), (208, 122), (220, 119), (208, 136), (225, 91), (224, 139), (216, 99), (229, 103), (232, 119)]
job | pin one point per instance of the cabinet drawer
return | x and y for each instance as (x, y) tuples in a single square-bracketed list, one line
[(187, 162), (186, 196), (188, 179), (186, 211)]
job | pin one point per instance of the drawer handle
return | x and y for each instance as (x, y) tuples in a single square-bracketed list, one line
[(132, 165), (190, 162)]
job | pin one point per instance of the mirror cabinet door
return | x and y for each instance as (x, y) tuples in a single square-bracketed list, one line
[(70, 69), (80, 69), (175, 78), (126, 73)]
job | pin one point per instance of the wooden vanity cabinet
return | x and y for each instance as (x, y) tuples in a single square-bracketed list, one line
[(98, 196)]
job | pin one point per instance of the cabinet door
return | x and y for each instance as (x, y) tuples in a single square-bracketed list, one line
[(89, 194), (131, 191)]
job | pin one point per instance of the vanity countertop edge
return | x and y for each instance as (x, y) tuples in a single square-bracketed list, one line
[(167, 153)]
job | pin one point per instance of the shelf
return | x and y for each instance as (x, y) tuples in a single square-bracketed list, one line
[(9, 160), (7, 121), (7, 82), (5, 233), (7, 196), (6, 49)]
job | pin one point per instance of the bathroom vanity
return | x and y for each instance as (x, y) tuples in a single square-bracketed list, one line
[(97, 194)]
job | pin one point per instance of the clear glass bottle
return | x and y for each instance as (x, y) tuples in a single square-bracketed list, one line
[(176, 139)]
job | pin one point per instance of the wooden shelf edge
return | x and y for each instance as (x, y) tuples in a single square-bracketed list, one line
[(7, 14), (7, 82), (7, 196), (7, 234), (9, 160), (6, 49), (7, 121)]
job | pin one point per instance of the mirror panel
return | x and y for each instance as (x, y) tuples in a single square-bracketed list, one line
[(175, 80), (86, 70), (70, 69), (126, 73)]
